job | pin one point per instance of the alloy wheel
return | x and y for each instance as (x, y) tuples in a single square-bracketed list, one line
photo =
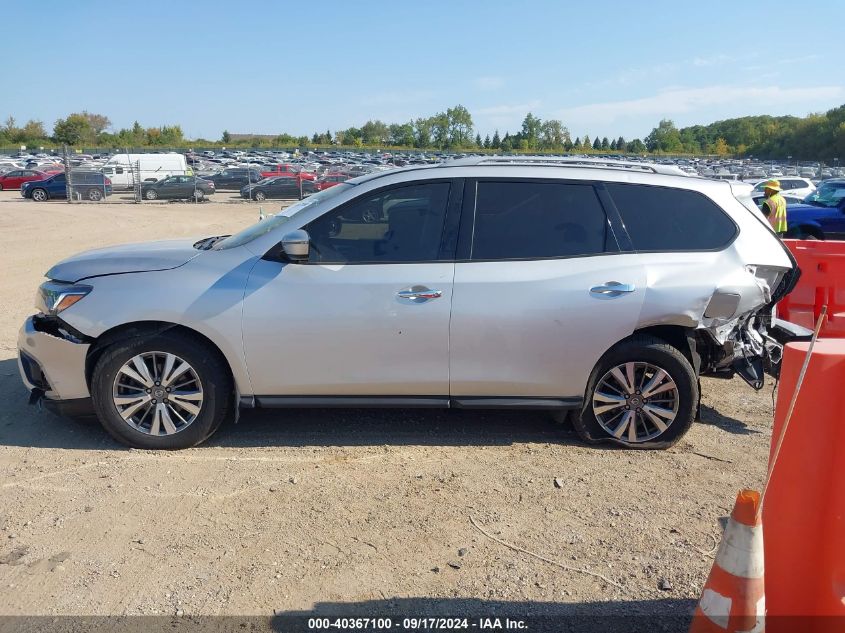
[(635, 402), (157, 393)]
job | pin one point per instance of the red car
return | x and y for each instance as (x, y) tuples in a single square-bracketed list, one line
[(329, 180), (14, 179), (289, 171)]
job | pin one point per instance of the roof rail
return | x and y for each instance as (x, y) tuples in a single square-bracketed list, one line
[(568, 161)]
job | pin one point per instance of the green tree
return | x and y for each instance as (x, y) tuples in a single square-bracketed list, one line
[(531, 129), (459, 123), (605, 144), (487, 142), (597, 144), (478, 141), (422, 132), (576, 144), (72, 130), (664, 138), (636, 147), (440, 130), (553, 134), (620, 144), (496, 142), (586, 144), (375, 133), (402, 134), (226, 137)]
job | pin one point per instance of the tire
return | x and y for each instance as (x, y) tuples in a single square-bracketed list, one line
[(199, 196), (151, 194), (678, 395), (40, 195), (95, 195), (1, 187), (163, 422), (259, 196)]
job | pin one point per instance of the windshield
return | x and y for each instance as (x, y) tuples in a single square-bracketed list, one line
[(268, 224), (829, 194)]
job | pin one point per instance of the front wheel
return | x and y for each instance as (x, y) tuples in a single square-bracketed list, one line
[(151, 194), (260, 196), (164, 391), (643, 393), (39, 195)]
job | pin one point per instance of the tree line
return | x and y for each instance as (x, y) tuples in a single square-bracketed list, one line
[(816, 136)]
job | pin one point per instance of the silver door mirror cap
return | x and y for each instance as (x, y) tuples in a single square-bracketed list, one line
[(296, 245)]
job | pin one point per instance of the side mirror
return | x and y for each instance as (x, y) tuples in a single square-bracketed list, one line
[(296, 245)]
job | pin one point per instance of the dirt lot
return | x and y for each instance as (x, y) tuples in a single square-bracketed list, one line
[(342, 510)]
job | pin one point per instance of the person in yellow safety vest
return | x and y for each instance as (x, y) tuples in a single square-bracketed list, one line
[(774, 206)]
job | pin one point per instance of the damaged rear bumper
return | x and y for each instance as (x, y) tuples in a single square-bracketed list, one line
[(52, 367)]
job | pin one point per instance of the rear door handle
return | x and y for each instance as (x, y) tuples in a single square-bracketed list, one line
[(419, 294), (612, 289)]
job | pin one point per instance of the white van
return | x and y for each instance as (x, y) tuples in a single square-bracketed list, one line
[(152, 166)]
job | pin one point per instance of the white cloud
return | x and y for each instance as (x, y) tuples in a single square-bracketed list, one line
[(488, 83), (713, 60), (671, 102), (504, 116), (397, 97)]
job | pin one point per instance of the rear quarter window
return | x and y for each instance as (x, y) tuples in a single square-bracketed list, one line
[(667, 219)]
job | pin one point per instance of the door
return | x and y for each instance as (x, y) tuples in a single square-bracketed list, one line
[(541, 290), (13, 180), (368, 313)]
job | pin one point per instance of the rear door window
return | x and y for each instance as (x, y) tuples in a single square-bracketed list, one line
[(538, 220), (667, 219)]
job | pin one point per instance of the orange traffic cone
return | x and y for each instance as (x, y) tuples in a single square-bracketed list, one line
[(733, 599)]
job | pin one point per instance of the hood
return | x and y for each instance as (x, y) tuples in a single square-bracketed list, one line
[(127, 258)]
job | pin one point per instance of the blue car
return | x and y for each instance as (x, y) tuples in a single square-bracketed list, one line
[(87, 185), (821, 215)]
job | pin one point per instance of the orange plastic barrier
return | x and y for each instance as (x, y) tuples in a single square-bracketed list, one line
[(822, 282), (804, 506)]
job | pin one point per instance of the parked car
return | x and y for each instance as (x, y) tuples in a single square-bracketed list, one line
[(793, 189), (14, 179), (821, 215), (327, 181), (88, 185), (178, 188), (290, 171), (234, 178), (283, 187), (488, 283)]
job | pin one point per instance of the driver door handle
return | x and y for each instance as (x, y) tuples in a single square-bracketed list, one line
[(612, 289), (419, 294)]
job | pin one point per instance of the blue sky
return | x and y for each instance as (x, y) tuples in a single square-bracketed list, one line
[(605, 68)]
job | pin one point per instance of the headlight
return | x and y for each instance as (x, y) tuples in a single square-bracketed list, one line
[(55, 296)]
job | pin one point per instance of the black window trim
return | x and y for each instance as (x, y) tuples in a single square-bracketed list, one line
[(453, 212), (718, 249), (467, 223)]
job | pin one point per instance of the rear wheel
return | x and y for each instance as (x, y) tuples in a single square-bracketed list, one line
[(198, 196), (39, 195), (643, 393), (95, 195), (1, 187), (164, 391)]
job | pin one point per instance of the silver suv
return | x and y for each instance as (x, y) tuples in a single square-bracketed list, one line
[(599, 288)]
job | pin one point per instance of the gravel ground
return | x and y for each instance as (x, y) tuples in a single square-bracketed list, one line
[(332, 510)]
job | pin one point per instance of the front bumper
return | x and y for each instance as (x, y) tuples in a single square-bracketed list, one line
[(53, 366)]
